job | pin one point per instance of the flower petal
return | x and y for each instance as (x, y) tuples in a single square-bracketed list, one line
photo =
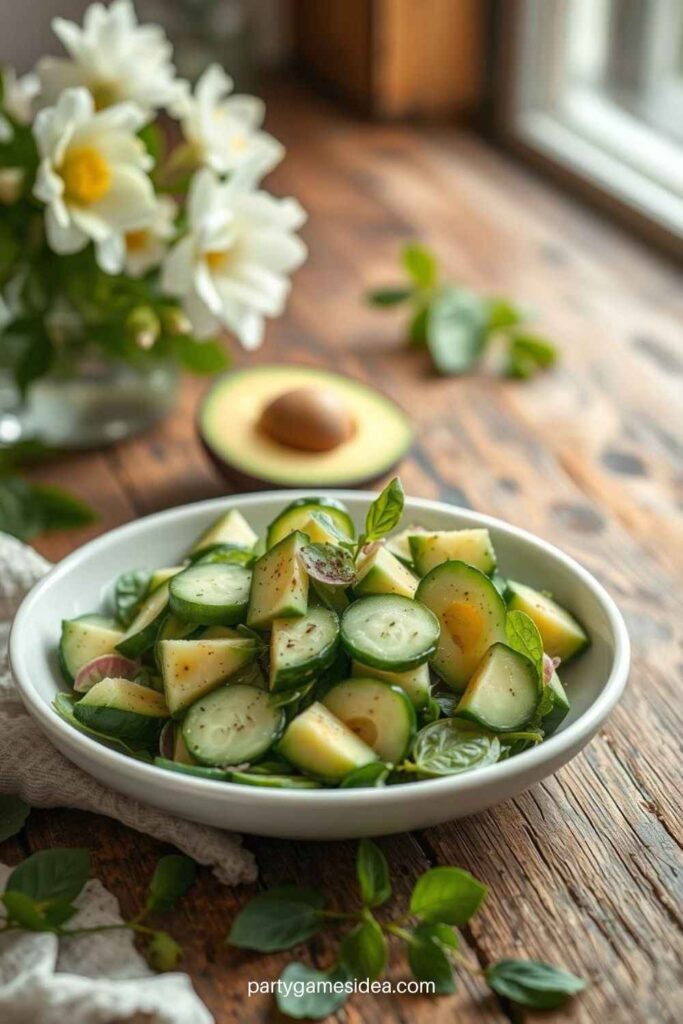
[(110, 253), (176, 273), (63, 238)]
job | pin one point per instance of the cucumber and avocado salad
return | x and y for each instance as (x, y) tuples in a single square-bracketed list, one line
[(389, 632), (563, 637), (211, 594), (472, 616), (298, 513), (256, 661), (302, 648)]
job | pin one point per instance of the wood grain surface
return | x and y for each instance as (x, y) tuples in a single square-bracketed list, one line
[(585, 869)]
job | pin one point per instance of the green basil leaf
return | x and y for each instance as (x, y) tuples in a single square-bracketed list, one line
[(305, 993), (428, 957), (57, 914), (421, 264), (374, 774), (202, 357), (417, 328), (385, 512), (533, 983), (51, 875), (13, 813), (456, 330), (388, 296), (329, 564), (503, 313), (527, 354), (22, 910), (19, 516), (451, 746), (277, 919), (331, 527), (523, 636), (129, 592), (431, 712), (447, 895), (173, 876), (59, 510), (163, 952), (363, 950), (373, 874)]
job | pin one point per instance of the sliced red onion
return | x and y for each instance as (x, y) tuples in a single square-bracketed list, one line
[(549, 666), (329, 564), (106, 666)]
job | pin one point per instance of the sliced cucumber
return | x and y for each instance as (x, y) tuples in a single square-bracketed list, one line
[(192, 668), (389, 632), (318, 744), (504, 691), (172, 745), (381, 714), (122, 708), (415, 682), (380, 572), (274, 781), (563, 637), (85, 639), (472, 615), (160, 576), (561, 706), (471, 546), (173, 628), (199, 771), (228, 553), (330, 596), (298, 512), (230, 528), (211, 594), (232, 725), (142, 632), (302, 648), (279, 588)]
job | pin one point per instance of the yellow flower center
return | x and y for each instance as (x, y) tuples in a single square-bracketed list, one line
[(216, 260), (137, 240), (86, 175)]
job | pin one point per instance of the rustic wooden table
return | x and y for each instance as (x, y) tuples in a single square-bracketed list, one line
[(584, 869)]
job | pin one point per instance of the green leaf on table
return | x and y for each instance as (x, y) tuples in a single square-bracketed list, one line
[(451, 746), (13, 813), (278, 919), (129, 590), (417, 327), (60, 510), (363, 950), (503, 313), (173, 876), (533, 983), (51, 875), (373, 874), (528, 354), (421, 264), (201, 356), (456, 330), (428, 956), (447, 895), (385, 512), (57, 914), (523, 636), (22, 910), (163, 952), (27, 509), (373, 774), (388, 296), (306, 993)]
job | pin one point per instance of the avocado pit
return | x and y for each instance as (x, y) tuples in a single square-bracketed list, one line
[(310, 419)]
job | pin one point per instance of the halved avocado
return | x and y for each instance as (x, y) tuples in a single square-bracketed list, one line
[(229, 425)]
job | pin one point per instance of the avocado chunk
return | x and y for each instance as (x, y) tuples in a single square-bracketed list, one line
[(230, 528), (279, 585), (415, 682), (83, 640), (318, 744), (504, 691), (229, 424), (380, 572), (563, 637), (471, 546), (192, 668)]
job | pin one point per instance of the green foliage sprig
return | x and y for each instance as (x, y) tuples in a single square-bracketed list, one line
[(443, 900), (457, 325), (26, 508)]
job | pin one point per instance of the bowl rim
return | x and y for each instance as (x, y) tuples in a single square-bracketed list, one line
[(551, 750)]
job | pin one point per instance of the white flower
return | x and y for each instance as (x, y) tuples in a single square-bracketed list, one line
[(18, 95), (231, 267), (223, 130), (92, 176), (113, 57), (146, 246)]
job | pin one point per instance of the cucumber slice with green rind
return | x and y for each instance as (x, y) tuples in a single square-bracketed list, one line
[(279, 587), (229, 553), (472, 546), (192, 668), (64, 704), (381, 714), (472, 615), (380, 572), (321, 746), (563, 637), (211, 594), (302, 648), (232, 725), (560, 709), (122, 708), (229, 528), (274, 781), (198, 771), (415, 682), (142, 632), (297, 513), (503, 694), (84, 639), (389, 632)]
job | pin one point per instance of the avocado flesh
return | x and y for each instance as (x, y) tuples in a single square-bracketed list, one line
[(382, 573), (563, 637), (279, 585), (471, 546), (228, 424), (230, 528), (415, 682), (320, 745)]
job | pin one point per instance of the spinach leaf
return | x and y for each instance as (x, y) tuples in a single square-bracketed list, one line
[(451, 746), (129, 592), (533, 983), (447, 895), (373, 874)]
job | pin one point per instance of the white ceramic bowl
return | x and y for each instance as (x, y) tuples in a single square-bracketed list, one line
[(82, 582)]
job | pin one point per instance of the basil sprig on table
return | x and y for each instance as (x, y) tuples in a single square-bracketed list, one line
[(457, 324), (443, 899), (27, 509)]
